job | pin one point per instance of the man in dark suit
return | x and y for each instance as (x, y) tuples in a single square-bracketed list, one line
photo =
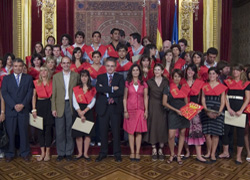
[(109, 107), (17, 91)]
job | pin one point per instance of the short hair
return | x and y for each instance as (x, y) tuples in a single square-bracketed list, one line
[(184, 41), (178, 71), (212, 50), (18, 60), (122, 46), (51, 58), (56, 46), (80, 33), (194, 68), (110, 59), (12, 56), (176, 46), (113, 30), (136, 36), (96, 52), (222, 64), (122, 33), (34, 56), (73, 55), (96, 32), (51, 37), (68, 37), (159, 65), (213, 69)]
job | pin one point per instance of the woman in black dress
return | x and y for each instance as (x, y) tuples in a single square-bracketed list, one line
[(238, 97), (174, 98), (83, 102)]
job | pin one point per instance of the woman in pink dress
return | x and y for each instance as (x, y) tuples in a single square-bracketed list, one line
[(135, 109)]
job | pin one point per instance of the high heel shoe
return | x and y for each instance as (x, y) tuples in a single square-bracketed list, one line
[(132, 157), (171, 159), (179, 162), (137, 157)]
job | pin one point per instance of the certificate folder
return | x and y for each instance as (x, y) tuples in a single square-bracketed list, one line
[(85, 126), (238, 121), (37, 123)]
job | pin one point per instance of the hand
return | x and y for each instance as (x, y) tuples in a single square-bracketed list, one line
[(54, 113), (19, 107), (126, 116), (2, 117), (100, 85), (115, 88), (81, 113), (146, 115), (238, 113), (83, 118), (211, 115), (179, 112), (34, 115), (231, 112)]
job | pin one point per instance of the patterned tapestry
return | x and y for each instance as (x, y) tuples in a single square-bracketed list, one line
[(100, 15)]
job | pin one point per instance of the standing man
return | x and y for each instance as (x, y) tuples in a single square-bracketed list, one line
[(17, 91), (165, 46), (109, 107), (183, 44), (62, 110), (79, 42), (95, 46), (212, 54), (112, 47), (136, 48)]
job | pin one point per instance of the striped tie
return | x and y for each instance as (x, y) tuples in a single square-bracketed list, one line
[(110, 100)]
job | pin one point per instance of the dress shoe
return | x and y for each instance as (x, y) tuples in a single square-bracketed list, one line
[(205, 162), (87, 158), (118, 158), (69, 158), (8, 159), (100, 158), (238, 162), (26, 158), (59, 158), (78, 158)]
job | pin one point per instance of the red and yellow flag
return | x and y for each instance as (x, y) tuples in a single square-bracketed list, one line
[(159, 30)]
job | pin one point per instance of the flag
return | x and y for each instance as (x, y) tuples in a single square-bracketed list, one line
[(144, 30), (159, 30), (175, 27)]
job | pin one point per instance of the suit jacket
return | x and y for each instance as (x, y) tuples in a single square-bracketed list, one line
[(103, 88), (13, 94), (58, 94)]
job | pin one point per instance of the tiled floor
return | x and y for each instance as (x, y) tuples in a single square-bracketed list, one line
[(108, 169)]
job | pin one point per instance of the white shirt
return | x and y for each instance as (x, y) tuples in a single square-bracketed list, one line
[(76, 105), (20, 76), (136, 87), (66, 78), (137, 52), (208, 66)]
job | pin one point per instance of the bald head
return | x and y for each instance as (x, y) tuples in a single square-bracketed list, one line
[(166, 45)]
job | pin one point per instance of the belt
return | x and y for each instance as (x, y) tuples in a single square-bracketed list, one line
[(43, 98), (235, 97)]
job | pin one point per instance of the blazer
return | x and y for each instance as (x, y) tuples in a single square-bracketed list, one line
[(13, 94), (102, 88), (58, 93)]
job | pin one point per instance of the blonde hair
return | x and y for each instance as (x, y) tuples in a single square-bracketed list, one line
[(240, 68), (40, 80)]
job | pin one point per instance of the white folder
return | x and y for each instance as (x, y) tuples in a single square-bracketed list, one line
[(85, 126), (37, 123), (238, 121)]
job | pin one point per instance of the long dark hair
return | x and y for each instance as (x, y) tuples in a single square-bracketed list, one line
[(84, 73), (164, 61), (194, 68), (201, 56), (34, 56), (73, 55), (42, 51), (5, 58), (147, 51), (143, 57), (130, 76)]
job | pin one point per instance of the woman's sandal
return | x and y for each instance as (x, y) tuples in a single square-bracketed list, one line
[(248, 159), (179, 162), (132, 157), (223, 156), (169, 161), (137, 157)]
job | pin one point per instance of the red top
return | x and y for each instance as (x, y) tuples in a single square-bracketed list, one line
[(33, 72), (71, 49), (42, 90), (178, 65), (194, 90), (131, 53), (216, 91), (111, 51), (28, 60), (84, 98), (93, 73), (176, 92), (203, 73), (232, 84), (149, 75), (89, 50), (120, 68)]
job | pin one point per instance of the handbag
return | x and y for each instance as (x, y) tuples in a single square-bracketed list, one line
[(4, 139)]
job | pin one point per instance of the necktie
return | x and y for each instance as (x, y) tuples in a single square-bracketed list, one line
[(17, 79), (110, 100)]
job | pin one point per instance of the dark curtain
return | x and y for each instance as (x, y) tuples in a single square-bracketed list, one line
[(36, 29), (198, 29), (167, 13), (226, 30), (6, 40), (65, 18)]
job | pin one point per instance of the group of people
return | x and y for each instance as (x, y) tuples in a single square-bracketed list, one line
[(123, 84)]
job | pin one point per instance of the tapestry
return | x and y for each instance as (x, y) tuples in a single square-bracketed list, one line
[(101, 15)]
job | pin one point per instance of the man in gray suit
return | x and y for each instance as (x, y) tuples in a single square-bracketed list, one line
[(62, 109)]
